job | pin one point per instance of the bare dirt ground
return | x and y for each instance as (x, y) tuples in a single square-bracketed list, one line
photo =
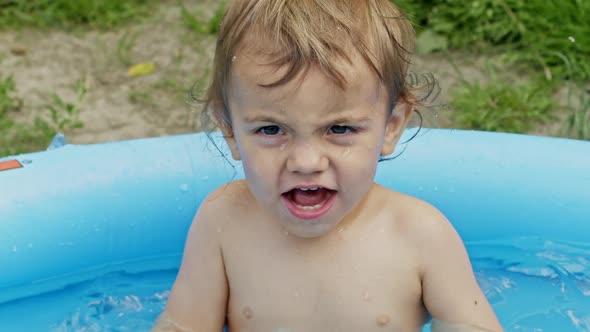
[(120, 107)]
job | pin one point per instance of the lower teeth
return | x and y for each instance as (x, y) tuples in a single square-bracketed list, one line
[(313, 207), (306, 207)]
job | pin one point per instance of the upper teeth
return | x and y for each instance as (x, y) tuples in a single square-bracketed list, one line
[(306, 189)]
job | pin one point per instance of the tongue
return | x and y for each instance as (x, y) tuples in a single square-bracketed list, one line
[(309, 197)]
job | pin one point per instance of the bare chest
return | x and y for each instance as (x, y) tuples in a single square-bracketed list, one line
[(360, 286)]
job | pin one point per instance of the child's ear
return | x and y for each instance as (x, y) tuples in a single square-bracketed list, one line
[(223, 122), (395, 126)]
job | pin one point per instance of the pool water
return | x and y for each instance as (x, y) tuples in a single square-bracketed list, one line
[(533, 284)]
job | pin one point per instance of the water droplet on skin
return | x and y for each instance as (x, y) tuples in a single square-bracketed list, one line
[(341, 229), (234, 58), (247, 312), (346, 152), (183, 187), (296, 293), (383, 320), (218, 229), (366, 296), (283, 146)]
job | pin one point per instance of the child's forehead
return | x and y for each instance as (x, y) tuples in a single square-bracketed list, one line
[(257, 66), (312, 89)]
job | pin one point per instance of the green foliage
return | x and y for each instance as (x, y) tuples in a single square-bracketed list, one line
[(8, 102), (68, 13), (197, 24), (501, 105), (526, 31), (577, 124), (17, 137)]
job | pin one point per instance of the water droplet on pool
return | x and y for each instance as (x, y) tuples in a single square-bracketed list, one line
[(30, 245), (451, 190), (183, 187), (435, 188), (421, 188), (14, 248), (205, 178)]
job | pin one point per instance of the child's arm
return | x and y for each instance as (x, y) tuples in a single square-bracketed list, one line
[(198, 298), (450, 290)]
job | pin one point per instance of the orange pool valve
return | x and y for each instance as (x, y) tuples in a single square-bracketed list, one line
[(10, 164)]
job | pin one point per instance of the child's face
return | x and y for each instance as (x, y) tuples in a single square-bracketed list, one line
[(310, 134)]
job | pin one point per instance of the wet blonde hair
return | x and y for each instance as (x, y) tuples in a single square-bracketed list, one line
[(320, 33)]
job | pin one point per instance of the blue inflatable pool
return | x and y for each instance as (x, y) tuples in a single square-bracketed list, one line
[(75, 213)]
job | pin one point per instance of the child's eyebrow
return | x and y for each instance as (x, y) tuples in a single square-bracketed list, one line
[(329, 120), (347, 119), (261, 118)]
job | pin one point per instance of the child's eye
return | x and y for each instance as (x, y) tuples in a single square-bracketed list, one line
[(269, 130), (341, 130)]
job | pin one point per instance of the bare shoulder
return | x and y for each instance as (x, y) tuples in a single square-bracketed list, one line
[(231, 196), (449, 289), (225, 203), (424, 226), (418, 218), (199, 296)]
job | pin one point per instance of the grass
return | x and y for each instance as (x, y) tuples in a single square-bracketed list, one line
[(500, 106), (100, 14), (198, 22), (8, 100), (21, 137), (577, 124), (524, 31)]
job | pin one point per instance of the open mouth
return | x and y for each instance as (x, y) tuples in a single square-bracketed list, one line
[(309, 202)]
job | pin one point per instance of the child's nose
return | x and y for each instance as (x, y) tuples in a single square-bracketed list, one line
[(306, 158)]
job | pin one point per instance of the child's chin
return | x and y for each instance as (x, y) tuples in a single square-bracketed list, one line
[(306, 228)]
